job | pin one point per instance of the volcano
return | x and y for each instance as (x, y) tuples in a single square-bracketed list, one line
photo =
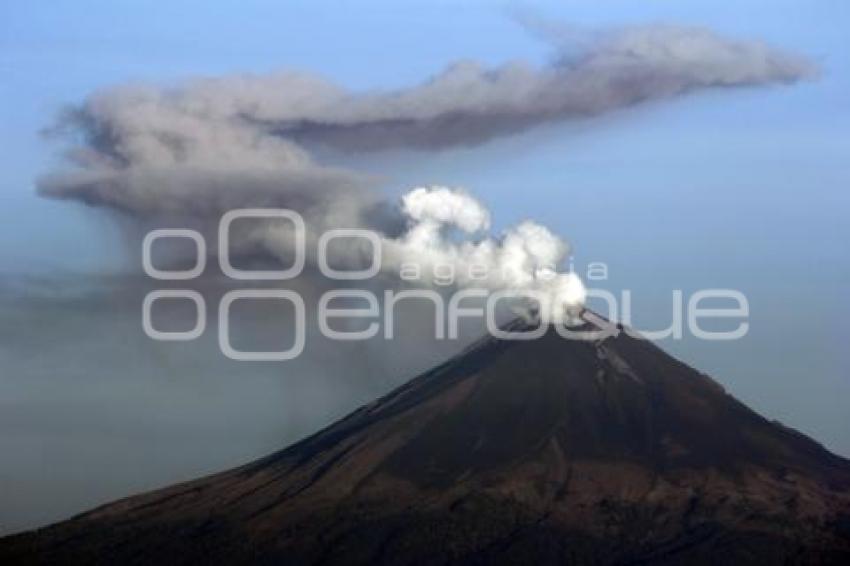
[(546, 451)]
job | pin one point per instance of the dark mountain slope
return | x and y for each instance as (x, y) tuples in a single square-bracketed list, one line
[(541, 451)]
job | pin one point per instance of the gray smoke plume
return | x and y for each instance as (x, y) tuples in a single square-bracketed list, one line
[(213, 144)]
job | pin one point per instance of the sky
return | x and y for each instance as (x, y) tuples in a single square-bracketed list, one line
[(743, 189)]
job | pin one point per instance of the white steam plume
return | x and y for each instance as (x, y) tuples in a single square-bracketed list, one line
[(443, 224)]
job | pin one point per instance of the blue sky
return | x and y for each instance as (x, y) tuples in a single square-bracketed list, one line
[(757, 147), (745, 189)]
